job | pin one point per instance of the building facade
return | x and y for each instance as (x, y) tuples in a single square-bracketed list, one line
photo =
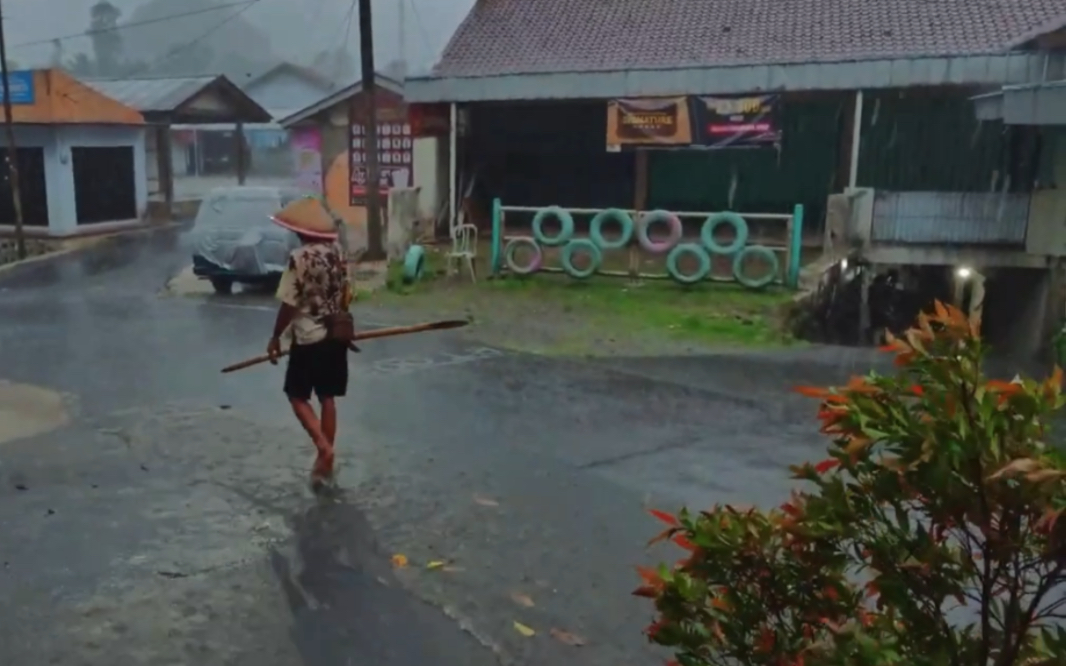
[(81, 157), (868, 106)]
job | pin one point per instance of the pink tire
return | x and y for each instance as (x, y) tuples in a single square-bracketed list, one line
[(535, 261), (645, 223)]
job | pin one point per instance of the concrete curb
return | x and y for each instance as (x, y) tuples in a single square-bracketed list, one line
[(77, 243)]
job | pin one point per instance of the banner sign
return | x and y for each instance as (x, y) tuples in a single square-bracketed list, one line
[(706, 122), (737, 122), (307, 154), (395, 146), (662, 121), (21, 83)]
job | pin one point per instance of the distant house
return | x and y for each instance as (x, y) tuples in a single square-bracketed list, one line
[(287, 88), (81, 156), (193, 122)]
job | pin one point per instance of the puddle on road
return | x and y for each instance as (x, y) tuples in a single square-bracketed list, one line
[(26, 411), (187, 284)]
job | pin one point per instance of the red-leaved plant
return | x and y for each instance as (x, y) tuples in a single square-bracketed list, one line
[(933, 534)]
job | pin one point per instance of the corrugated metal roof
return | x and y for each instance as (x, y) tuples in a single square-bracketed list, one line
[(337, 97), (1041, 103), (148, 95), (522, 37), (988, 70), (953, 218)]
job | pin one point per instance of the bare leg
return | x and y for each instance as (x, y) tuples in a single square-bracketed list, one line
[(305, 413), (329, 419)]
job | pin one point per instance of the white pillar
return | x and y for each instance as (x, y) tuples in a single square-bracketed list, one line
[(856, 140), (453, 141)]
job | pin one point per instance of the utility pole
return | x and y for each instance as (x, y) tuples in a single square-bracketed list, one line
[(375, 241), (12, 150)]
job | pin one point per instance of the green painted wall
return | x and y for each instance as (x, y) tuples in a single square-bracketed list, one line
[(766, 180), (921, 141)]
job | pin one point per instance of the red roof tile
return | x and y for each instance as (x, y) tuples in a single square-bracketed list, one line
[(529, 36)]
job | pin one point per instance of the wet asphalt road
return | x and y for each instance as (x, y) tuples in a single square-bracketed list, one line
[(169, 522)]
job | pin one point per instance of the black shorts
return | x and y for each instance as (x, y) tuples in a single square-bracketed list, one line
[(320, 368)]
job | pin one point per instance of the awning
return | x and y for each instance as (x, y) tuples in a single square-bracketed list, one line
[(1029, 104)]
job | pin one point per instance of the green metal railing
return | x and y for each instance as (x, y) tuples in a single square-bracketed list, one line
[(633, 236)]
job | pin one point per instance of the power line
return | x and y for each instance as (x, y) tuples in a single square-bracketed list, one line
[(348, 28), (418, 20), (210, 31), (313, 23), (161, 19)]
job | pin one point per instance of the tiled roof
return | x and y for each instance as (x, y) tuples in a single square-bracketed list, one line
[(151, 94), (522, 36)]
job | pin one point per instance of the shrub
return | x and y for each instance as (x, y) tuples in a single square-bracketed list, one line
[(931, 535)]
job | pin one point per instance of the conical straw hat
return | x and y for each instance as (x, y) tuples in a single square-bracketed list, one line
[(306, 216)]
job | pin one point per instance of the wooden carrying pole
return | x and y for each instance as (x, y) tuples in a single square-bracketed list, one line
[(364, 335)]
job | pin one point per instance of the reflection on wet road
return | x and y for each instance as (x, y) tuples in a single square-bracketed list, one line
[(168, 521)]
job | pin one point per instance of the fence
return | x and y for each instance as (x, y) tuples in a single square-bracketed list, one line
[(651, 237)]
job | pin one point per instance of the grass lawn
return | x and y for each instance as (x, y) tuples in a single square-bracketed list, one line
[(564, 316), (712, 314)]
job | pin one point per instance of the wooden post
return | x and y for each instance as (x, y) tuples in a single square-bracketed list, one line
[(453, 166), (856, 140), (242, 158), (374, 232), (640, 202), (864, 303), (12, 149), (165, 151)]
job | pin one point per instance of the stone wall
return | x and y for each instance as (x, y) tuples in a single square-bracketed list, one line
[(34, 248)]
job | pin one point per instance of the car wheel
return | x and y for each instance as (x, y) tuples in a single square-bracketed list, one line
[(222, 285)]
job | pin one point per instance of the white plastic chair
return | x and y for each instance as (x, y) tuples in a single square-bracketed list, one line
[(464, 248)]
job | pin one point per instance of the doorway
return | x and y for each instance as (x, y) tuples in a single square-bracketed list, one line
[(32, 188), (104, 185)]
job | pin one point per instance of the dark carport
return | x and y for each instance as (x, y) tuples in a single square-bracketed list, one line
[(191, 100)]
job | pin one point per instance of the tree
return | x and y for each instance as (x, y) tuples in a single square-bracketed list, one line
[(934, 534), (182, 60), (337, 64), (80, 65), (58, 53), (106, 39)]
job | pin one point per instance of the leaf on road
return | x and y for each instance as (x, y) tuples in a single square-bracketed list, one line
[(436, 564), (567, 637), (399, 561), (485, 501), (522, 600), (523, 629)]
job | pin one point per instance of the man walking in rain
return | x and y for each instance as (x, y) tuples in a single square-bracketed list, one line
[(315, 293)]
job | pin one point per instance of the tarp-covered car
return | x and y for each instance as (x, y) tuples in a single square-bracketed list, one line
[(234, 239)]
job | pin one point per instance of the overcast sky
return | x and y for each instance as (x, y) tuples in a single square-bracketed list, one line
[(429, 25)]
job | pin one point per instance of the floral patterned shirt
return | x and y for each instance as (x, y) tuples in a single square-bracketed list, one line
[(316, 284)]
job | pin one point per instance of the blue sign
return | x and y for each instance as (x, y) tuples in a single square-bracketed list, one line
[(21, 84)]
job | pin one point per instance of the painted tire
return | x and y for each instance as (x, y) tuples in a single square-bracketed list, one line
[(414, 264), (763, 280), (512, 248), (581, 245), (611, 215), (712, 223), (648, 219), (565, 232), (681, 250)]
